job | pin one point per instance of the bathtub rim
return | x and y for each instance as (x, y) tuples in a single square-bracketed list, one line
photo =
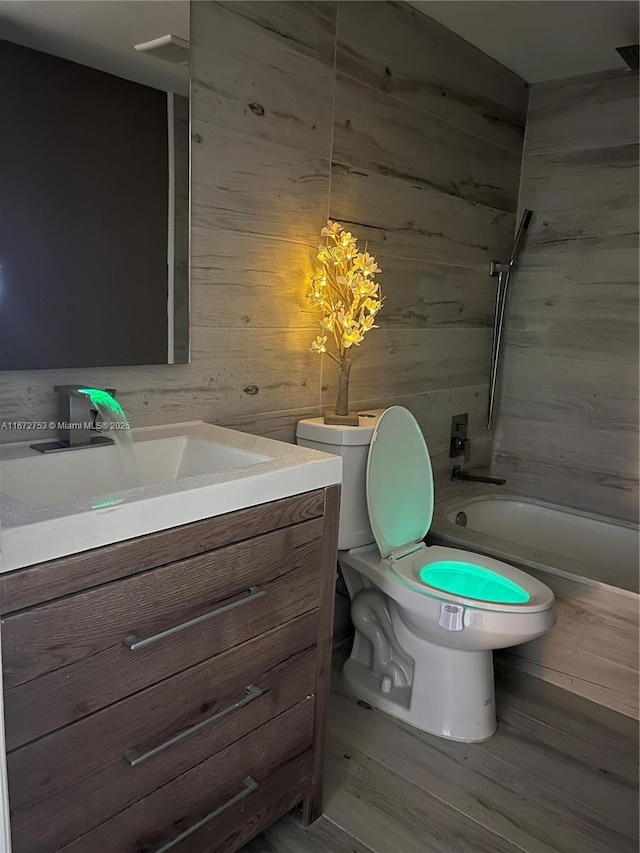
[(510, 496), (445, 532)]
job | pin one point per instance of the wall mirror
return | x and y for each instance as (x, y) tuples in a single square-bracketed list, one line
[(94, 179)]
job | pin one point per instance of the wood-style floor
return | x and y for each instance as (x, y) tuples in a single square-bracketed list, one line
[(560, 774)]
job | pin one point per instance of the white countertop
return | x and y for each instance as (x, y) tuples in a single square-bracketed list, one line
[(35, 534)]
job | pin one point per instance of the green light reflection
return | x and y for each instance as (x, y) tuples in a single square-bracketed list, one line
[(107, 503), (471, 581)]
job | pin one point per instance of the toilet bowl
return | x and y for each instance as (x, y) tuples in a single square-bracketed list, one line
[(426, 617)]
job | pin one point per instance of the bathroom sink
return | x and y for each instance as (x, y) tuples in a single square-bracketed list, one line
[(56, 504), (44, 480)]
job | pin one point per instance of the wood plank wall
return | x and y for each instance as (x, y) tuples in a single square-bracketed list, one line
[(568, 416), (426, 159), (379, 117)]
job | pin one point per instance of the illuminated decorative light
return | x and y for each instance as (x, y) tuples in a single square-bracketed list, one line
[(348, 276)]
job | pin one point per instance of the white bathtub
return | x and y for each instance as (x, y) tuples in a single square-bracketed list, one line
[(543, 536)]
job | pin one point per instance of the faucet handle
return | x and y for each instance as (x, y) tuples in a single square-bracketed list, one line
[(460, 446)]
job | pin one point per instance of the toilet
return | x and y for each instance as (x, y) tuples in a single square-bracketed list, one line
[(427, 617)]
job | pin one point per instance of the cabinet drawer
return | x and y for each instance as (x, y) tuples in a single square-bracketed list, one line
[(68, 782), (91, 649), (221, 803), (34, 585)]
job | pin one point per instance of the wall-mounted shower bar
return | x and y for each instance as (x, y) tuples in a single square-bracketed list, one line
[(503, 272)]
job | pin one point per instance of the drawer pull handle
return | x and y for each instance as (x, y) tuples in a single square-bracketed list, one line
[(133, 757), (135, 643), (249, 785)]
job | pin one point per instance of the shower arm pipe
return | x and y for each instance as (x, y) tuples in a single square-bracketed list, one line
[(503, 272)]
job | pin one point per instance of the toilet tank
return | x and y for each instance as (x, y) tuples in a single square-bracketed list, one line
[(352, 444)]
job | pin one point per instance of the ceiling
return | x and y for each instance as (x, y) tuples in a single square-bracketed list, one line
[(538, 39), (101, 34), (542, 39)]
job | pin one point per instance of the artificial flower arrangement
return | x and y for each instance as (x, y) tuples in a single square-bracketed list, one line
[(343, 287)]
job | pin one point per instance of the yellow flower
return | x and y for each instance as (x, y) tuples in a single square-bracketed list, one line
[(368, 287), (366, 324), (345, 320), (331, 229), (355, 279), (366, 263), (352, 337), (372, 305), (316, 291), (319, 345), (328, 323)]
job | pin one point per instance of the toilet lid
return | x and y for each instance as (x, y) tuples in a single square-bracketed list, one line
[(399, 482)]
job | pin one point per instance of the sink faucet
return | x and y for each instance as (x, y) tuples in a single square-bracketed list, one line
[(76, 425), (77, 417), (458, 474)]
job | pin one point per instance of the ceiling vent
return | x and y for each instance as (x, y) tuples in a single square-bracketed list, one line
[(630, 54), (170, 48)]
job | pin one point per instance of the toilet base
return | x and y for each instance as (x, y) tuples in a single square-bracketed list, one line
[(452, 694), (447, 692)]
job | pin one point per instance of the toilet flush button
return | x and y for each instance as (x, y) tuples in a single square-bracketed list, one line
[(451, 616)]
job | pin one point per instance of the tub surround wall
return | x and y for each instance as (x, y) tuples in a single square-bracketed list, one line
[(379, 117), (568, 417)]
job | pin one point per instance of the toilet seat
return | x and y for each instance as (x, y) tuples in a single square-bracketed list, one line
[(407, 571), (400, 499)]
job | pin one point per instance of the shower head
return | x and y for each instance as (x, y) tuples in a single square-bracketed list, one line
[(170, 48), (631, 55)]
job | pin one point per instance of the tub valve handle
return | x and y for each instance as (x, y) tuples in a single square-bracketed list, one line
[(459, 443)]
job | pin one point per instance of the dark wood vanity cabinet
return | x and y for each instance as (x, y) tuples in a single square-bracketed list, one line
[(169, 692)]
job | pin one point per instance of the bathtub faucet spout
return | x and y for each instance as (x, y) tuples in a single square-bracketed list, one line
[(458, 474)]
